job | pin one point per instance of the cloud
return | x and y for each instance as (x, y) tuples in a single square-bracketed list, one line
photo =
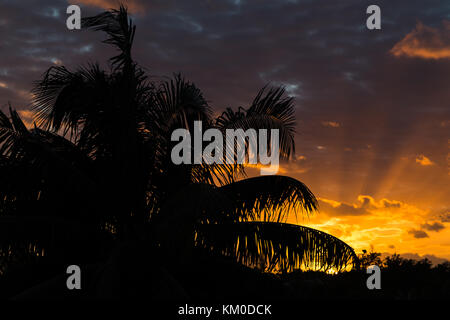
[(419, 234), (445, 215), (425, 42), (441, 215), (369, 202), (331, 124), (365, 205), (391, 203), (437, 226), (424, 161), (341, 208)]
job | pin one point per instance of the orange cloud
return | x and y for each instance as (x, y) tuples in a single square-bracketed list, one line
[(332, 124), (134, 6), (424, 161), (425, 42), (364, 206), (445, 123)]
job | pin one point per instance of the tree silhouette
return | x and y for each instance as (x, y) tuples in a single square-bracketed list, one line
[(99, 155)]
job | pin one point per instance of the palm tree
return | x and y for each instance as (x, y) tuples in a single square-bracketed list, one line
[(99, 154)]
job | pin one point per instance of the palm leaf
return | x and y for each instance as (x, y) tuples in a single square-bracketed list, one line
[(269, 110), (269, 198), (11, 129), (276, 247), (120, 31), (67, 100), (38, 165), (177, 104)]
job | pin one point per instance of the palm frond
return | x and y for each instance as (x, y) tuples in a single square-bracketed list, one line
[(41, 165), (120, 31), (269, 110), (177, 104), (11, 129), (277, 247), (269, 198), (220, 174), (66, 100)]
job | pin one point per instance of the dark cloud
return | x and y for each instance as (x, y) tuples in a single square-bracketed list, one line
[(391, 203), (436, 226), (441, 215), (364, 205), (419, 234), (445, 215), (342, 209)]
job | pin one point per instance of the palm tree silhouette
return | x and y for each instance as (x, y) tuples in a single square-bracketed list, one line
[(99, 156)]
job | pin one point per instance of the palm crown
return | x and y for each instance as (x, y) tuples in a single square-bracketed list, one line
[(99, 153)]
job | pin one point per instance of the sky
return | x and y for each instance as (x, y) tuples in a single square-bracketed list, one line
[(372, 106)]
